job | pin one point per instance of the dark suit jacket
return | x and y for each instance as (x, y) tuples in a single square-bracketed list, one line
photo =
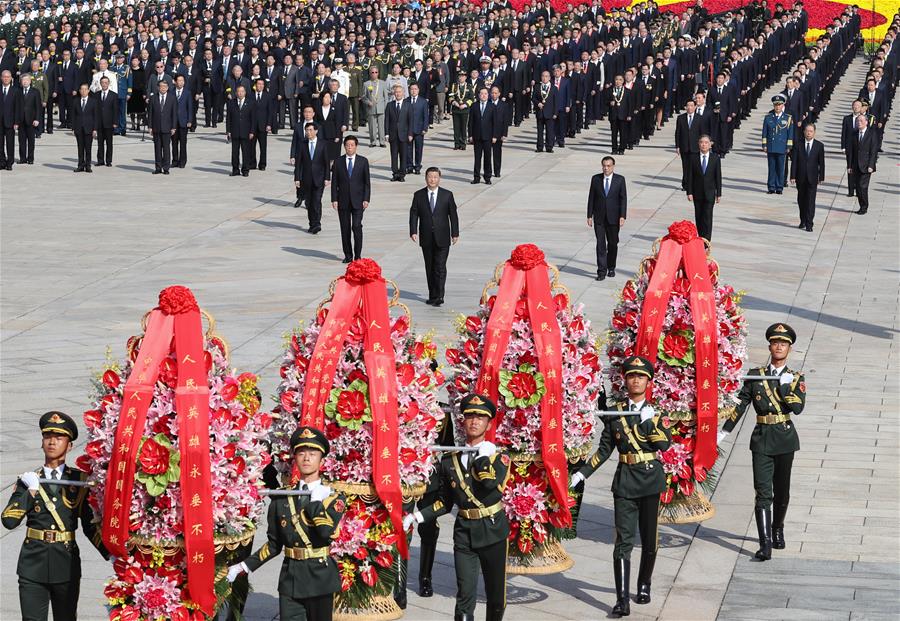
[(502, 118), (329, 126), (10, 106), (85, 121), (705, 186), (397, 123), (349, 192), (862, 155), (184, 109), (312, 172), (549, 109), (341, 106), (107, 111), (163, 119), (263, 112), (70, 77), (32, 106), (607, 208), (418, 115), (810, 169), (482, 127), (687, 139), (437, 228), (240, 119)]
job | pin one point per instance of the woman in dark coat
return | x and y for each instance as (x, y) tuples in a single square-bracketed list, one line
[(137, 103), (434, 78), (329, 130)]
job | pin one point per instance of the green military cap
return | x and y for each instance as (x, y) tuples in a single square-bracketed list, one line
[(637, 364), (778, 99), (477, 404), (781, 332), (309, 437), (58, 422)]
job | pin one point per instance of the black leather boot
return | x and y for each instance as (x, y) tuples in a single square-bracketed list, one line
[(426, 563), (495, 612), (400, 586), (645, 573), (778, 513), (764, 529), (622, 574)]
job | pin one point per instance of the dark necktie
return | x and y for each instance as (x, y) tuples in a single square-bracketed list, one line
[(349, 166), (808, 148), (431, 201), (703, 163), (606, 186)]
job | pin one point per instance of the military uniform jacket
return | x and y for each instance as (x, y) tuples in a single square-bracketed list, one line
[(54, 508), (298, 522), (630, 436), (777, 133), (479, 486), (771, 397)]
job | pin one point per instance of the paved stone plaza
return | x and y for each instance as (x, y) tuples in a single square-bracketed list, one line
[(84, 256)]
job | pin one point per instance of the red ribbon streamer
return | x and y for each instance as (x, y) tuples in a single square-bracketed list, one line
[(703, 311), (381, 368), (192, 405), (548, 344)]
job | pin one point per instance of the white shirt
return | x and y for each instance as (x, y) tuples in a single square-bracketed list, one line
[(773, 370), (48, 472), (636, 406), (464, 458)]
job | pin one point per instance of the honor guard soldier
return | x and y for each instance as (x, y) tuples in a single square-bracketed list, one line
[(774, 440), (474, 482), (50, 564), (777, 140), (461, 97), (303, 527), (639, 480)]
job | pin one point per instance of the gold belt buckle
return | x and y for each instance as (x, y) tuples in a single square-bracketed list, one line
[(50, 536)]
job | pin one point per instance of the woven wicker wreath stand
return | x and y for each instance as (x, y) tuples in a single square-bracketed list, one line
[(381, 607)]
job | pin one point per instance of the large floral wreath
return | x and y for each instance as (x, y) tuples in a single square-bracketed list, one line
[(674, 384), (366, 545), (151, 583)]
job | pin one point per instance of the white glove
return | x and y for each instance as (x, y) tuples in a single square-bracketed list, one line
[(409, 520), (320, 493), (721, 436), (786, 378), (31, 481), (236, 570), (647, 412), (576, 479), (486, 449)]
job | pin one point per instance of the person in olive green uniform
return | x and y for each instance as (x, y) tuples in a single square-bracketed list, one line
[(774, 440), (303, 527), (474, 482), (639, 480), (49, 563), (461, 97)]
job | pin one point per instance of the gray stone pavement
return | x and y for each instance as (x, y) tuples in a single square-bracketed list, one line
[(82, 257)]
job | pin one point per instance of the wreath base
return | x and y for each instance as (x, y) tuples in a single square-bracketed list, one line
[(547, 558), (687, 509), (379, 608)]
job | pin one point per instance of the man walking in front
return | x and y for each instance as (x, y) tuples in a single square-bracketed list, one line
[(862, 152), (163, 123), (808, 171), (311, 175), (705, 186), (433, 224), (606, 212), (351, 188)]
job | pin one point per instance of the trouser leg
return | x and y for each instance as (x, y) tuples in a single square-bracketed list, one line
[(781, 484), (64, 599), (34, 600), (479, 153), (497, 156), (346, 243), (626, 518), (685, 169), (612, 245), (648, 525), (763, 471), (862, 190), (486, 150), (811, 191), (354, 113), (235, 155), (356, 222), (319, 608), (493, 570), (440, 269), (541, 133), (466, 562), (262, 140), (428, 256), (291, 608), (600, 234)]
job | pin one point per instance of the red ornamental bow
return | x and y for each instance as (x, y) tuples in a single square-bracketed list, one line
[(178, 316), (362, 286), (683, 246), (527, 270)]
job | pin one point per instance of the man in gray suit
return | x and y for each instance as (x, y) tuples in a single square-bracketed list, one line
[(375, 98), (287, 92)]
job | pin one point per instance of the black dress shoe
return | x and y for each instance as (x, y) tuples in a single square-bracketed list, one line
[(158, 171), (487, 182), (549, 150), (88, 169), (234, 173), (346, 260), (79, 169), (611, 273), (430, 301), (245, 173), (402, 178), (861, 212), (108, 164), (600, 277), (166, 171), (474, 182), (802, 225), (425, 588), (496, 175), (315, 230), (770, 191), (850, 194), (297, 203), (778, 191), (538, 150)]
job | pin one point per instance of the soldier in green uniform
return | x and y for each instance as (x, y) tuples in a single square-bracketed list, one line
[(357, 79), (303, 527), (461, 96), (49, 563), (639, 480), (474, 482), (774, 440)]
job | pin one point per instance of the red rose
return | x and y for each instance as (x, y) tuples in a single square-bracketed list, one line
[(111, 379), (522, 385), (385, 558), (682, 232), (523, 505), (526, 256), (528, 358), (351, 405), (161, 425), (332, 430), (519, 418), (177, 300), (154, 457), (229, 390), (92, 418), (356, 374), (362, 271), (369, 575), (406, 374), (675, 345), (353, 455)]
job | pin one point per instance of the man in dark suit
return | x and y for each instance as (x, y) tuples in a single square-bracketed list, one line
[(433, 224), (68, 81), (418, 125), (808, 171), (239, 128), (263, 123), (10, 111), (848, 132), (544, 100), (606, 211), (397, 123), (311, 174), (862, 153), (163, 123), (31, 108), (350, 193), (212, 85), (107, 121), (704, 185), (84, 125), (502, 121), (184, 118), (687, 138), (482, 134)]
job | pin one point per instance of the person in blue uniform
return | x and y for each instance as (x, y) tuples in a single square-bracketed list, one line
[(777, 141)]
